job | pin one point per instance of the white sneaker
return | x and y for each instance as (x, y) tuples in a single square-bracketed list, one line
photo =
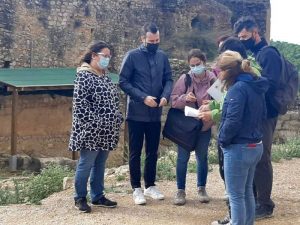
[(138, 197), (154, 193)]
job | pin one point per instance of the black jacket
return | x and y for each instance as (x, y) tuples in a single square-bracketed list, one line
[(145, 74), (243, 111), (270, 63)]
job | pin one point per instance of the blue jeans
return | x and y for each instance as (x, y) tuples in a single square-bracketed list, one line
[(91, 163), (183, 157), (239, 167)]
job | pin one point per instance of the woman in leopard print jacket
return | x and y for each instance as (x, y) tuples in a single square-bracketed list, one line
[(96, 125)]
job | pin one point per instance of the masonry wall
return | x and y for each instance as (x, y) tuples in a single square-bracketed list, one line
[(54, 33)]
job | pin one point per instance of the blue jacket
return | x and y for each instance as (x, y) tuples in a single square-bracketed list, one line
[(270, 63), (244, 110), (145, 74)]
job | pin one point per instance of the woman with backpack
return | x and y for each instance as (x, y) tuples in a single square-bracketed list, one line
[(191, 90)]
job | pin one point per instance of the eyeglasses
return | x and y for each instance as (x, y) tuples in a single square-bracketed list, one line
[(105, 56)]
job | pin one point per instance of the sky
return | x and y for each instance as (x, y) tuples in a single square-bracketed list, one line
[(285, 21)]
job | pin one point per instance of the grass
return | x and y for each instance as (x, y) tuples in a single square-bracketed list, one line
[(36, 187), (288, 150)]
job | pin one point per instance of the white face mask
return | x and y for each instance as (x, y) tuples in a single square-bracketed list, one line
[(198, 70)]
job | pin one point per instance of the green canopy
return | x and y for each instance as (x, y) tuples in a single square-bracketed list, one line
[(41, 77)]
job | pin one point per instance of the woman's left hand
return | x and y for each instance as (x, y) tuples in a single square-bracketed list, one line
[(205, 116), (204, 108)]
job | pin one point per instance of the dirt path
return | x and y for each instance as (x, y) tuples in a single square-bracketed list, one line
[(58, 208)]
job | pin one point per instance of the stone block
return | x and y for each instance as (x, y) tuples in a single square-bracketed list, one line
[(68, 182)]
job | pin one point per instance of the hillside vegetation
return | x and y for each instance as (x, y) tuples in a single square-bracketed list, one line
[(290, 51)]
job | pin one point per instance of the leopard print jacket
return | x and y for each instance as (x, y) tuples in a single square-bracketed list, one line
[(96, 116)]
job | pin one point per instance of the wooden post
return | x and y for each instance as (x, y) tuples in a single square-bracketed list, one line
[(14, 122), (74, 155)]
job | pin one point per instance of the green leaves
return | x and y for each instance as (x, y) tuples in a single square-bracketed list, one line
[(37, 187), (290, 51)]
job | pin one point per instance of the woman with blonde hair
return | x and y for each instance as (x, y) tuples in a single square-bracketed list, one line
[(240, 132)]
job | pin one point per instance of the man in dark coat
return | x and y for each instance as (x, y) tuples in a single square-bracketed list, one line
[(146, 78), (247, 31)]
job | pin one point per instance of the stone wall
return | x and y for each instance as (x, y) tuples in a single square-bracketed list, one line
[(54, 33), (259, 9)]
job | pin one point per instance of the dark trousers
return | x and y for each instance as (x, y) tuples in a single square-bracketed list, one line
[(137, 131), (221, 163), (263, 178)]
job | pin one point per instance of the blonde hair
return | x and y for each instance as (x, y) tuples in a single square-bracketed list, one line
[(232, 64)]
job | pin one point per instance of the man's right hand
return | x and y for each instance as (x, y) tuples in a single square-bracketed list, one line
[(150, 101)]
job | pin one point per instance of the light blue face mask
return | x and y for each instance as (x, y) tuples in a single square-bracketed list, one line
[(103, 62), (198, 70)]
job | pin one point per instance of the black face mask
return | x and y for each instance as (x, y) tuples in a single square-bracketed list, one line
[(152, 48), (249, 43)]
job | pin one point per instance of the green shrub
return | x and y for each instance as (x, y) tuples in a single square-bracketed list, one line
[(192, 166), (289, 50), (120, 177), (166, 169), (288, 150), (6, 197), (49, 181)]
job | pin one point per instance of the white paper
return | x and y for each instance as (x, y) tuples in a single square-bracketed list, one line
[(189, 111), (215, 90)]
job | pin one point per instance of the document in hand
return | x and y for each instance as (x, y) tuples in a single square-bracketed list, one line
[(215, 90), (189, 111)]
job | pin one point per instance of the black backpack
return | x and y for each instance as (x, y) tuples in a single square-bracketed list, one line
[(288, 88)]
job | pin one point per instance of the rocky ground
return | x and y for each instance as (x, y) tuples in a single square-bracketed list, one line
[(58, 209)]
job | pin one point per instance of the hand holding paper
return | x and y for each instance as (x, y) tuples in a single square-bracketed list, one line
[(189, 111)]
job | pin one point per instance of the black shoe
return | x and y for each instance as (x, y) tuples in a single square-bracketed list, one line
[(263, 212), (82, 205), (104, 202)]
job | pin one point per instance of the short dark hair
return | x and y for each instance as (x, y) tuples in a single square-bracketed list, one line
[(149, 27), (197, 53), (233, 44), (247, 22), (95, 47)]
